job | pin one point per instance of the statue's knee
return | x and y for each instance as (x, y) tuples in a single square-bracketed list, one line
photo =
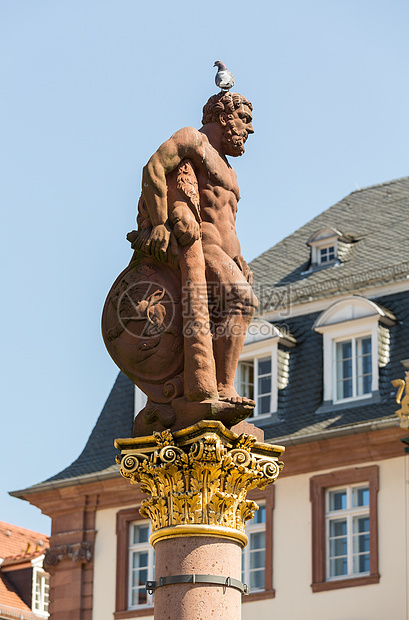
[(245, 301)]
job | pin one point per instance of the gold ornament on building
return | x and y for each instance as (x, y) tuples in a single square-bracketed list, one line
[(198, 478), (403, 412)]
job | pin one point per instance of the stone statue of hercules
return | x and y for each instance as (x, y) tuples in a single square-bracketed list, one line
[(164, 209), (175, 319)]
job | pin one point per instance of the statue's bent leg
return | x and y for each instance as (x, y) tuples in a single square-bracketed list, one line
[(232, 306)]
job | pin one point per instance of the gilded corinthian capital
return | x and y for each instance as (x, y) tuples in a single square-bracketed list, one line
[(197, 479)]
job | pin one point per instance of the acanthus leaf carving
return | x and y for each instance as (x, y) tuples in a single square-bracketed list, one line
[(201, 480)]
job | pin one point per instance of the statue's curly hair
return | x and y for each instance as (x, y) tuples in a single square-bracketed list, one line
[(223, 102)]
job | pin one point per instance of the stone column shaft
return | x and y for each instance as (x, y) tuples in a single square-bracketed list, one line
[(197, 555)]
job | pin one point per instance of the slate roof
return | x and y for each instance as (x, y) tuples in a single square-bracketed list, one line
[(298, 403), (377, 218)]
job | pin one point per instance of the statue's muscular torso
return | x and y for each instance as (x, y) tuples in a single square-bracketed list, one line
[(219, 194), (218, 188)]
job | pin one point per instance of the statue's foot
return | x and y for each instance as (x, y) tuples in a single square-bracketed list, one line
[(229, 395)]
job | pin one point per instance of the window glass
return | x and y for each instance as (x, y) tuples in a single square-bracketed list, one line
[(348, 535), (41, 591), (141, 564), (140, 533), (353, 367), (327, 254), (254, 554), (337, 500), (246, 379), (255, 381), (360, 496)]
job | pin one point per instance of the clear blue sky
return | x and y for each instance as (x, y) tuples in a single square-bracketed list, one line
[(89, 89)]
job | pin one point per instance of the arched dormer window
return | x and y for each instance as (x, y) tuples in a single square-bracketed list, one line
[(324, 246), (355, 344), (329, 247), (264, 365)]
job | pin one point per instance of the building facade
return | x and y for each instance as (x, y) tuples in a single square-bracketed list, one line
[(331, 537), (24, 584)]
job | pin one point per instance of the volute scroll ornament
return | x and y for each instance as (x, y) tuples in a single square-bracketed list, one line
[(199, 476), (402, 398)]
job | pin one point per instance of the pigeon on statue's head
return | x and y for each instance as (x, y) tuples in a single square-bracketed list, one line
[(224, 78)]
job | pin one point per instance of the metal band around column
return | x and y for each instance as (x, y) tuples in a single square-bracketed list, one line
[(226, 582)]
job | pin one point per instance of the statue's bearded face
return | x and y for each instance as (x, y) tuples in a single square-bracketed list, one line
[(236, 129)]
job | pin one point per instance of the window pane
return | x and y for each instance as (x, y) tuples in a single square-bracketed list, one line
[(344, 350), (344, 389), (361, 563), (140, 534), (361, 524), (139, 597), (246, 379), (264, 385), (253, 555), (263, 405), (338, 500), (337, 547), (257, 540), (361, 543), (264, 365), (257, 580), (140, 560), (344, 369), (257, 559), (360, 497), (364, 365), (338, 527), (260, 515), (338, 567)]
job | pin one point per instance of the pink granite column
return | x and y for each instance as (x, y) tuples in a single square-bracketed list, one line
[(200, 555)]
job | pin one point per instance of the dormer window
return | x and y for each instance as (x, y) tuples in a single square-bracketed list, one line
[(355, 345), (324, 247), (330, 247), (263, 366)]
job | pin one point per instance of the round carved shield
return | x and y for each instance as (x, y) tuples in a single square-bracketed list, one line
[(142, 325)]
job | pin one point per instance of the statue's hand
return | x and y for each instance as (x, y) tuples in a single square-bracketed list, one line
[(185, 226), (158, 242)]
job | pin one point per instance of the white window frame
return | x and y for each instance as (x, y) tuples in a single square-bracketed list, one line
[(320, 240), (39, 574), (144, 547), (253, 528), (352, 338), (349, 514), (252, 353), (358, 328), (327, 246), (350, 317)]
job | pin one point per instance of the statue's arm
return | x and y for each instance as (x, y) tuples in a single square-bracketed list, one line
[(183, 144)]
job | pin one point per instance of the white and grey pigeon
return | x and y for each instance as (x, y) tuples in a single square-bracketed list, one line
[(224, 78)]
